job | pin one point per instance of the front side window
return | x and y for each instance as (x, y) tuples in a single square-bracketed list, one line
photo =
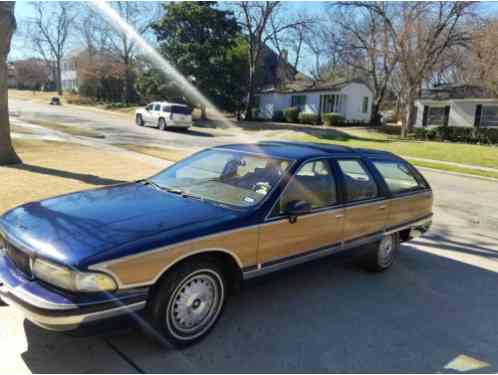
[(359, 184), (313, 183), (226, 177), (489, 116), (398, 177), (435, 116), (149, 107)]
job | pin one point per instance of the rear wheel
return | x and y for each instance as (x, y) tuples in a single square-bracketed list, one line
[(162, 124), (189, 301), (139, 120), (381, 255)]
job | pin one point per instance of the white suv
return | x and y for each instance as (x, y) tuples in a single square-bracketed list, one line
[(165, 115)]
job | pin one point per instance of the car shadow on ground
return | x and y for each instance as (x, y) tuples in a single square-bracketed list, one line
[(323, 317), (86, 178)]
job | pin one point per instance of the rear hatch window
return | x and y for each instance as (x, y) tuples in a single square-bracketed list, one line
[(180, 110)]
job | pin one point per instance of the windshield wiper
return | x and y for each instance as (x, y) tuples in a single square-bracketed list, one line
[(153, 184)]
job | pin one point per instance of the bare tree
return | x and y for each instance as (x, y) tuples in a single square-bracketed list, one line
[(49, 31), (31, 73), (263, 23), (7, 28), (366, 45), (140, 16)]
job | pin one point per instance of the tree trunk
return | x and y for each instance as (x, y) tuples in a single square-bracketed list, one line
[(411, 110), (203, 112), (7, 28), (58, 76), (375, 116), (250, 96)]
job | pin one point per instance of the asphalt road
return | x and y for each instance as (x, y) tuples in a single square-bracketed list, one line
[(438, 302)]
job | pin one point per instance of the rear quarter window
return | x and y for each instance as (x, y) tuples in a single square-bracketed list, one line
[(398, 177), (181, 110)]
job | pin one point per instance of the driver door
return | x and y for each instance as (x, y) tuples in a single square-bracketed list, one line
[(147, 116), (322, 228)]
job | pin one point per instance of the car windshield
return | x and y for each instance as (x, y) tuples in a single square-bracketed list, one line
[(226, 177)]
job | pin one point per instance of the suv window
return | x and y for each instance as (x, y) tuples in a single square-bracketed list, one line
[(359, 183), (157, 107), (313, 183), (398, 177), (181, 110), (166, 108), (149, 107)]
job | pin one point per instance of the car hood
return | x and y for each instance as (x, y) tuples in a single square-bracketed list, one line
[(76, 226)]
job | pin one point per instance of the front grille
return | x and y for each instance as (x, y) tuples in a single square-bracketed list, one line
[(19, 258)]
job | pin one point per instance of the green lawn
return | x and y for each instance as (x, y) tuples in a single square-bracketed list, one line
[(485, 156)]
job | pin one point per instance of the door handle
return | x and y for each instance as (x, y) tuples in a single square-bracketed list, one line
[(383, 207), (339, 216)]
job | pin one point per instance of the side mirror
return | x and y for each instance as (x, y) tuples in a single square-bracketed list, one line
[(297, 208)]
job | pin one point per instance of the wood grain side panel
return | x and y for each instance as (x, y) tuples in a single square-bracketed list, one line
[(146, 268), (282, 239), (403, 210), (364, 220)]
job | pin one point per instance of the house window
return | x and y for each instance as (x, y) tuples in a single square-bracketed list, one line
[(257, 101), (364, 107), (435, 116), (489, 116), (298, 101)]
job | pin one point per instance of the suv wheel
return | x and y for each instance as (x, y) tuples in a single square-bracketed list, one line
[(139, 120), (381, 255), (162, 124), (189, 301)]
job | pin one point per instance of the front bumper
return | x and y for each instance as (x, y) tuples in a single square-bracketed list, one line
[(55, 311)]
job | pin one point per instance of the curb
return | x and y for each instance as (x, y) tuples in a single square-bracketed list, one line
[(491, 179)]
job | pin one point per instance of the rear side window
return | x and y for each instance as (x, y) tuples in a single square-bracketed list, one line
[(398, 177), (359, 183), (177, 109), (157, 107)]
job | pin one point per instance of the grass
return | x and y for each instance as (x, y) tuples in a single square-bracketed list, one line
[(485, 156), (37, 96), (171, 154), (53, 168), (452, 168)]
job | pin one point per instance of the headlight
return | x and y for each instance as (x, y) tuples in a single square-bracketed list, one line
[(68, 279)]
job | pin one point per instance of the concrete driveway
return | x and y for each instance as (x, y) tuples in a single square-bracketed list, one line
[(436, 307)]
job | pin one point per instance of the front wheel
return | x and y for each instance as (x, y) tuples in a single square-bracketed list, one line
[(189, 301), (139, 120), (381, 255)]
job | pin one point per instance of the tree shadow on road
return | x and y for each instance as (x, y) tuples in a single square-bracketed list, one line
[(324, 317), (86, 178)]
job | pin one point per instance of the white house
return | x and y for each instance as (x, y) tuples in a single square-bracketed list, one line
[(352, 99), (457, 105)]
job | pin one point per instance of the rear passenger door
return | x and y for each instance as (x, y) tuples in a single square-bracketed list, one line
[(365, 208)]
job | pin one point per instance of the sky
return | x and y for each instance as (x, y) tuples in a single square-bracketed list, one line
[(20, 49), (24, 11)]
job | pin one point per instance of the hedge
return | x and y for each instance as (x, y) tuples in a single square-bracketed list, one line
[(458, 134), (291, 114), (333, 119), (309, 118)]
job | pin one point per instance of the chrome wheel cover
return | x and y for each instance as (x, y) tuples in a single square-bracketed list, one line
[(195, 304), (386, 251)]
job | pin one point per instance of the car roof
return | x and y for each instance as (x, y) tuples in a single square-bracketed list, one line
[(305, 150), (169, 103)]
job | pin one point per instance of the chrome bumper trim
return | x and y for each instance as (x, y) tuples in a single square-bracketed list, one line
[(427, 221), (68, 322)]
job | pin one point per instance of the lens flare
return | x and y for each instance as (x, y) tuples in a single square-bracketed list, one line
[(191, 92)]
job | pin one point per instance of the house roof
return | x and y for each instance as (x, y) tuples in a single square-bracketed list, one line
[(456, 91), (307, 85)]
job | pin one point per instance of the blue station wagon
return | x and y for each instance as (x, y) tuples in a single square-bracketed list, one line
[(174, 245)]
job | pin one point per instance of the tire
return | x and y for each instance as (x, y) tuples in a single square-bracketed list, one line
[(162, 124), (381, 255), (188, 301), (139, 120)]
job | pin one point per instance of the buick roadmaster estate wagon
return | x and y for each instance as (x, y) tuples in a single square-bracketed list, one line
[(174, 245)]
